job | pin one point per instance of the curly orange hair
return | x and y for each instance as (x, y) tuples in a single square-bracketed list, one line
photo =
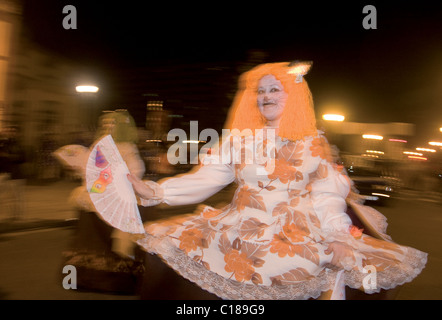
[(298, 118)]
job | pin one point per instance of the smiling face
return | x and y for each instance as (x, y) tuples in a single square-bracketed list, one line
[(271, 99)]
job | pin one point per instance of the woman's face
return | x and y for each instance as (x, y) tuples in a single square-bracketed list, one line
[(108, 125), (271, 99)]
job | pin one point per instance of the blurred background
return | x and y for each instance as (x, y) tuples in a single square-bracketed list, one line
[(377, 92)]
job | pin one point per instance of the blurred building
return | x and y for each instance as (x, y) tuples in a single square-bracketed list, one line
[(348, 137), (37, 87), (10, 13), (199, 90), (43, 98), (157, 120), (187, 91)]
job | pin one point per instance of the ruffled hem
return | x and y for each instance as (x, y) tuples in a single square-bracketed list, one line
[(230, 289), (411, 266)]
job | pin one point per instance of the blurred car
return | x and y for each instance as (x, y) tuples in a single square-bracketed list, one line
[(373, 187)]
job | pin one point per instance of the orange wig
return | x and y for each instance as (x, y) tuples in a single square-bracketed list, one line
[(298, 118)]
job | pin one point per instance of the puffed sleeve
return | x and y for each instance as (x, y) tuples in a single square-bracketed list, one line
[(329, 189), (193, 187)]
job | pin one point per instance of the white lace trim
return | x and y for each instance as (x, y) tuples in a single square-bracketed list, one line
[(230, 289), (411, 266)]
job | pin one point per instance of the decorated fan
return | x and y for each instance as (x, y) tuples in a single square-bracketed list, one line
[(110, 190)]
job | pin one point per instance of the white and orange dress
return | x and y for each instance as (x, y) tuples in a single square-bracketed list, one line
[(269, 242)]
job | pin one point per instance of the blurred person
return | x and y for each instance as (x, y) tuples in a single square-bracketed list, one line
[(286, 234), (12, 158), (77, 141), (162, 167), (81, 138), (106, 254), (48, 169)]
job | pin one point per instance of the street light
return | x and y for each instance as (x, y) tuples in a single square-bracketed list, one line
[(333, 117), (417, 158), (397, 140), (372, 137), (413, 153), (86, 88), (425, 149)]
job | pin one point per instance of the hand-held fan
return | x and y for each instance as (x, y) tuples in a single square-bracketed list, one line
[(110, 190)]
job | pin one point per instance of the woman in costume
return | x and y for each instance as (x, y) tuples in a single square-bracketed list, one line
[(286, 233), (105, 255)]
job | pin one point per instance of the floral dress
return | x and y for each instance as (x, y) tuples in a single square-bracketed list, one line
[(269, 242)]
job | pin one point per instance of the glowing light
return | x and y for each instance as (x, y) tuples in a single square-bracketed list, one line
[(86, 88), (380, 194), (370, 155), (425, 150), (413, 153), (372, 136), (417, 158), (333, 117), (398, 140), (435, 143), (374, 151)]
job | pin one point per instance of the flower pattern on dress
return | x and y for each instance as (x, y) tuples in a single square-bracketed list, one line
[(282, 246), (272, 234), (294, 233), (248, 197), (292, 276), (190, 240), (210, 213), (320, 148), (285, 172), (240, 266)]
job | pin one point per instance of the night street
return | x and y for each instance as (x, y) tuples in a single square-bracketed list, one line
[(31, 266), (252, 126)]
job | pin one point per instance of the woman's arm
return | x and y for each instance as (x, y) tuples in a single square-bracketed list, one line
[(215, 173), (328, 195), (329, 186), (189, 188)]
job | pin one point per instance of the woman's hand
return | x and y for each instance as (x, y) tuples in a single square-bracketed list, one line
[(141, 189), (342, 254)]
